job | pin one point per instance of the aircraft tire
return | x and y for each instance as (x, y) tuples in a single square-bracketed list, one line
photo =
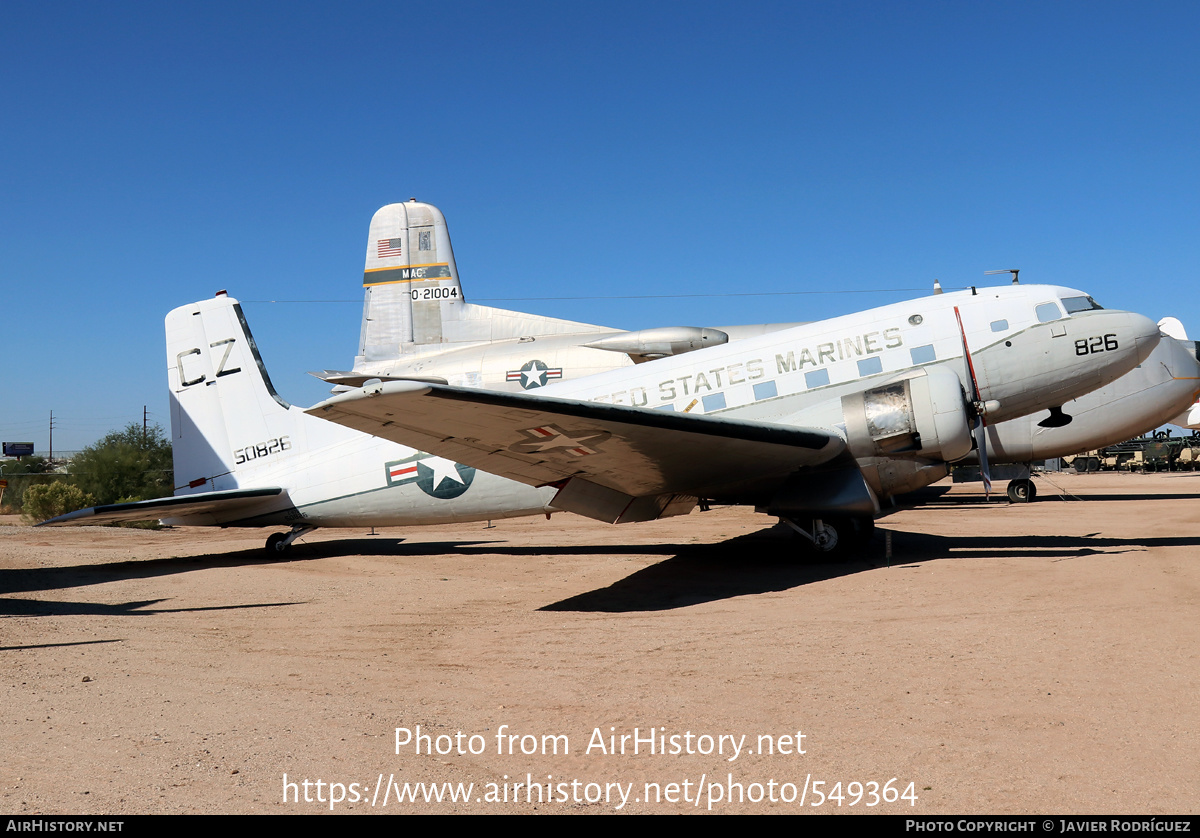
[(1021, 490), (276, 545), (845, 537), (829, 538)]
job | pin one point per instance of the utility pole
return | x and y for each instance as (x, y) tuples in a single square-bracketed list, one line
[(51, 457), (143, 426)]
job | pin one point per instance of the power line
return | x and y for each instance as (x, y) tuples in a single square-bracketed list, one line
[(658, 296)]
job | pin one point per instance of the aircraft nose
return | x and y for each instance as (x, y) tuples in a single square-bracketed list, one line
[(1146, 334), (1065, 359)]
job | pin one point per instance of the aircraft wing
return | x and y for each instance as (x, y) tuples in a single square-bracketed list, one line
[(603, 449), (178, 506)]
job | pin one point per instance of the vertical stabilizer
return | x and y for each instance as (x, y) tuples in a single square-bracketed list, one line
[(225, 415), (410, 279)]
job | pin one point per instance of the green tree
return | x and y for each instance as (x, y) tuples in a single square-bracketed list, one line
[(127, 465)]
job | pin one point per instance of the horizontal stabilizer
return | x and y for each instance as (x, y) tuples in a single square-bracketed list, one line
[(358, 379), (173, 507), (540, 441)]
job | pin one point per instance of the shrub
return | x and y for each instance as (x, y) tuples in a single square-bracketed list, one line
[(52, 499)]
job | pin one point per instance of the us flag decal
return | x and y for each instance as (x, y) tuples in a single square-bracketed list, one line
[(388, 247)]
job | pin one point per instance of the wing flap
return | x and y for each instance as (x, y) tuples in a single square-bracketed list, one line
[(540, 440)]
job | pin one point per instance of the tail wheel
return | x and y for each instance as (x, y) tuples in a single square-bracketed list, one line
[(279, 543)]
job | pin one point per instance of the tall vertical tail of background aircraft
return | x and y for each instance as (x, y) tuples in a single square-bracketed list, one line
[(414, 301), (410, 278)]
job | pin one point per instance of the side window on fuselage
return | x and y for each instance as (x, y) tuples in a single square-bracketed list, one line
[(1047, 312)]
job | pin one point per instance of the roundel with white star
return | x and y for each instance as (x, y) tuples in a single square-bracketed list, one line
[(534, 374), (435, 476), (444, 483)]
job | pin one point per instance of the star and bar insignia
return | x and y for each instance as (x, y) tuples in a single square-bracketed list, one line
[(435, 476), (550, 438), (534, 374)]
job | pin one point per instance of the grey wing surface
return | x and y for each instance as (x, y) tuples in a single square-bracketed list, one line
[(540, 441)]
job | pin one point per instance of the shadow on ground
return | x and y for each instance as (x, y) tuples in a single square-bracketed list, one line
[(689, 574), (758, 563)]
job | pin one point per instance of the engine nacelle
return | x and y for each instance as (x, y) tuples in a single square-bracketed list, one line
[(923, 414)]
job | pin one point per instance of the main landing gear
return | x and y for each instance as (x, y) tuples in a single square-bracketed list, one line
[(835, 537), (279, 543), (1021, 490)]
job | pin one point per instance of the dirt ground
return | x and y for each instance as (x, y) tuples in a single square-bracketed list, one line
[(1034, 659)]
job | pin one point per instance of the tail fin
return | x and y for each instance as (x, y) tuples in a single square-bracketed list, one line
[(1190, 418), (414, 303), (225, 414), (410, 279), (1171, 327)]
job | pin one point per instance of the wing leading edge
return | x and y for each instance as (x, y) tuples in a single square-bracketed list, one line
[(610, 462)]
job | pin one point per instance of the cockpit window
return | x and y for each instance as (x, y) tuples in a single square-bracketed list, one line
[(1074, 304), (1047, 312)]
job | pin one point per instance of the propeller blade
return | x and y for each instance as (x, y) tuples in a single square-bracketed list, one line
[(981, 444), (977, 403)]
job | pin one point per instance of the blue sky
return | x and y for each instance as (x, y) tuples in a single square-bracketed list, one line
[(153, 153)]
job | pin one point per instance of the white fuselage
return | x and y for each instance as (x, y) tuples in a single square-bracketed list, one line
[(1025, 364)]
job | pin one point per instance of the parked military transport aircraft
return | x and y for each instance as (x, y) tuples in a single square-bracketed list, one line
[(815, 424), (417, 324)]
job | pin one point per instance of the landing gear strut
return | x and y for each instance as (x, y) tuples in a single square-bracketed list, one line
[(833, 536), (279, 543), (1021, 490)]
